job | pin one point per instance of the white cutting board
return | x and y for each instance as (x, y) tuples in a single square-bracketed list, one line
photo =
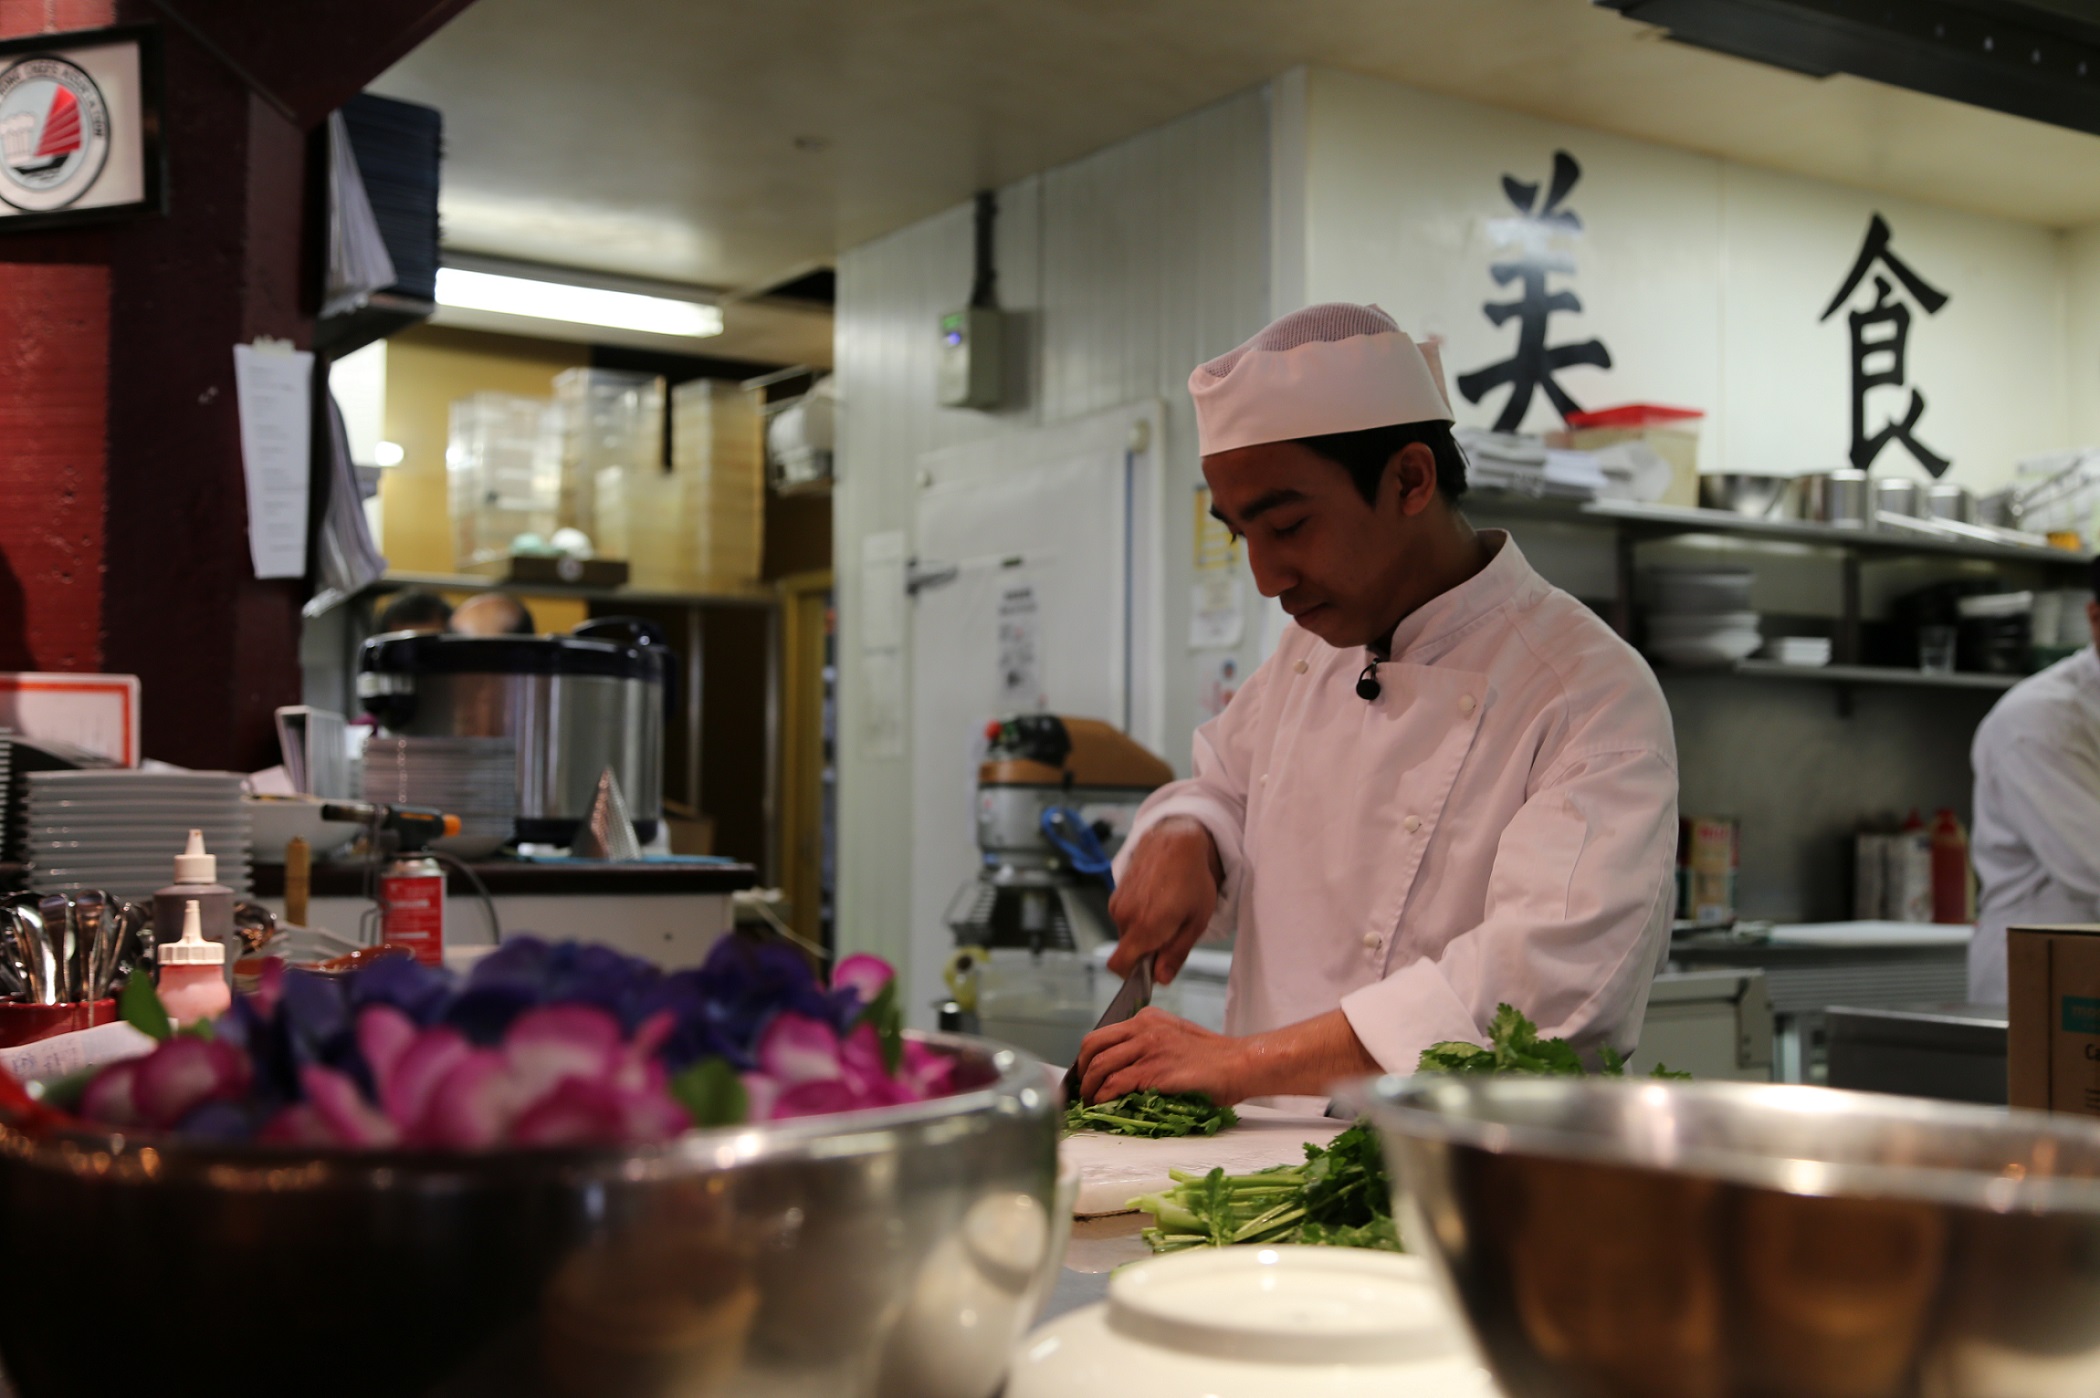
[(1113, 1170)]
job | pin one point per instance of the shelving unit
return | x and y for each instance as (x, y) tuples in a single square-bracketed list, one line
[(474, 582), (1847, 675)]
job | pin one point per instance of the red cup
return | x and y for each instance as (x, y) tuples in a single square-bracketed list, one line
[(25, 1024)]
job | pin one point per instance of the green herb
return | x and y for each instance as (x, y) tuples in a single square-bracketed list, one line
[(888, 1018), (1339, 1197), (712, 1093), (138, 1005), (1153, 1114), (1514, 1046)]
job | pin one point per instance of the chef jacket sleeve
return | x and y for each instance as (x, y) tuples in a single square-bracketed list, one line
[(1577, 919), (2050, 795), (1216, 795)]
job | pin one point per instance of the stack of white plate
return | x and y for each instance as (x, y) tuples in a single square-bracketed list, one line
[(475, 779), (1810, 651), (10, 832), (1701, 615), (120, 830)]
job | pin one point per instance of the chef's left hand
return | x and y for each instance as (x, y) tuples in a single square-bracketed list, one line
[(1157, 1050)]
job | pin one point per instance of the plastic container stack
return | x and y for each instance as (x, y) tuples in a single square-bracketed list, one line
[(718, 458), (611, 456), (503, 465)]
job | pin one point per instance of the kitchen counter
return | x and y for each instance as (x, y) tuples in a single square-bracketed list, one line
[(670, 911)]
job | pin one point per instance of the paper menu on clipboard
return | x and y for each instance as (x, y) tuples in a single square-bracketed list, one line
[(274, 383)]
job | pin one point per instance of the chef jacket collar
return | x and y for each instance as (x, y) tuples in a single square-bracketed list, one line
[(1420, 634)]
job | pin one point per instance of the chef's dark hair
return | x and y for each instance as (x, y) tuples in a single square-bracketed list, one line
[(2096, 578), (1364, 454)]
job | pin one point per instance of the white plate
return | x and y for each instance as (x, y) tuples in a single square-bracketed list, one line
[(1724, 650), (1700, 624)]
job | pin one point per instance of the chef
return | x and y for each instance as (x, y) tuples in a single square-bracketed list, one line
[(2037, 840), (1451, 786)]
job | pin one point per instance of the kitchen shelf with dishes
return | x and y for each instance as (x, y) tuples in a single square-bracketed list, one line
[(756, 596), (1849, 674)]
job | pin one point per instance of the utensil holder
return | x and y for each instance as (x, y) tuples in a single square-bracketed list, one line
[(26, 1024)]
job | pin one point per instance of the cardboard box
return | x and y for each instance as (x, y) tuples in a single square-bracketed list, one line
[(2052, 1048)]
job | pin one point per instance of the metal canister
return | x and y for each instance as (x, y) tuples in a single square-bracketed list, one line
[(412, 907)]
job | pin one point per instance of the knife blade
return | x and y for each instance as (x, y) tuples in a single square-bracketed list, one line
[(1134, 996)]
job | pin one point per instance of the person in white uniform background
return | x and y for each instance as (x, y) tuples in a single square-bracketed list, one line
[(2036, 842), (1451, 786)]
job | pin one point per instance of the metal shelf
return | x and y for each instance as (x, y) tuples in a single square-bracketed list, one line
[(1662, 521), (761, 596), (1848, 674)]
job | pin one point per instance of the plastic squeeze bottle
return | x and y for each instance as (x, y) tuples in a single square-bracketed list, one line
[(1950, 869), (193, 973), (196, 881)]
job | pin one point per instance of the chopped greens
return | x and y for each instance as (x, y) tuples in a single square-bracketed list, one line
[(1338, 1197), (1153, 1114), (1514, 1046)]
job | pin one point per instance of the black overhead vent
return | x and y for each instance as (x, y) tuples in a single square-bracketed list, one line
[(2032, 58)]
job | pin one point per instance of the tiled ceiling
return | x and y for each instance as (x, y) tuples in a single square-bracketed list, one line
[(735, 145)]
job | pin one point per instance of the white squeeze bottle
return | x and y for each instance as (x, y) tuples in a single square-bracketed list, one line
[(192, 973), (196, 880)]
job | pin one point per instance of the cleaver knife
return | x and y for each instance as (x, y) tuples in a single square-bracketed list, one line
[(1134, 996)]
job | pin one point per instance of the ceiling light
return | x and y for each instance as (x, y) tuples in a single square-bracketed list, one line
[(387, 454), (580, 305)]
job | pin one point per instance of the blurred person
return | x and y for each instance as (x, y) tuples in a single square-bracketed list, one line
[(493, 614), (416, 610)]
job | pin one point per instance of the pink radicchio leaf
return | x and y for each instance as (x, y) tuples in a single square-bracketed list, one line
[(864, 1069), (296, 1125), (820, 1098), (797, 1049), (551, 1044), (384, 1036), (580, 1113), (930, 1072), (761, 1095), (863, 974), (405, 1092), (182, 1074), (472, 1108), (108, 1098), (343, 1110)]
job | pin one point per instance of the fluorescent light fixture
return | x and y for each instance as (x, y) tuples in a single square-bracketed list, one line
[(387, 454), (580, 305)]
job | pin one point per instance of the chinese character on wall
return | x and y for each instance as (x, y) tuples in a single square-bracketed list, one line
[(1880, 340), (1529, 236)]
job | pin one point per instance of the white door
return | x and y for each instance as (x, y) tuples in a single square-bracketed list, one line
[(1036, 586)]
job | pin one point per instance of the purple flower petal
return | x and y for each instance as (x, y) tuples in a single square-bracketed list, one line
[(422, 1067), (296, 1125), (819, 1099), (556, 1042), (761, 1095), (384, 1034), (184, 1073), (108, 1098), (472, 1108)]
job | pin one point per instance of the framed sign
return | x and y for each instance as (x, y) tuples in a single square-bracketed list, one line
[(79, 127)]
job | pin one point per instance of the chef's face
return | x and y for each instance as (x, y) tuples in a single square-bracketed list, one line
[(1340, 565)]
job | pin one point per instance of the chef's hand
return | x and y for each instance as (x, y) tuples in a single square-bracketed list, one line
[(1155, 1049), (1166, 896)]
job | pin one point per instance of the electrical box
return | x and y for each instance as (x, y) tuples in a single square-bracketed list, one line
[(968, 373)]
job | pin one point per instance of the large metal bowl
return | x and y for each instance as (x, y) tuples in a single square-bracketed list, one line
[(893, 1252), (1723, 1239)]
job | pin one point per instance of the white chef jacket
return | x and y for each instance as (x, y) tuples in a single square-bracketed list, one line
[(1500, 824), (2036, 844)]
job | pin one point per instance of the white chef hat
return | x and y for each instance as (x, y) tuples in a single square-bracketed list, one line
[(1336, 367)]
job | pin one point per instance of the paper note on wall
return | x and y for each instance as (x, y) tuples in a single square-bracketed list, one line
[(882, 591), (1020, 667), (274, 384), (882, 713), (1217, 619)]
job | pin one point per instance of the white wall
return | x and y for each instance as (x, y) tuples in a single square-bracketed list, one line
[(1126, 269), (1704, 278), (2082, 334)]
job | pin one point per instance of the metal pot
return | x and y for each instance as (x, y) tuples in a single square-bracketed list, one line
[(574, 705), (1733, 1239), (1896, 496), (1741, 493), (1951, 502), (1839, 498), (896, 1253)]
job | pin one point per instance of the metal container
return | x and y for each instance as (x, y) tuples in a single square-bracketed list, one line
[(1840, 498), (1610, 1237), (575, 705), (1741, 493), (1951, 502), (896, 1253), (1899, 497)]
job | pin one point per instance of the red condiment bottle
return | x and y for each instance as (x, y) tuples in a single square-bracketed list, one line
[(1950, 869)]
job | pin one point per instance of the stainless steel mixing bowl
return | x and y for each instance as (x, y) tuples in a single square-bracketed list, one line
[(893, 1252), (1721, 1239)]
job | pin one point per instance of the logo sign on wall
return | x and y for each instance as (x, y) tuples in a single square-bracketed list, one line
[(79, 120)]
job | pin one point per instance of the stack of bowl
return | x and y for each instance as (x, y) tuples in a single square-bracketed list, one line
[(1700, 615), (475, 779)]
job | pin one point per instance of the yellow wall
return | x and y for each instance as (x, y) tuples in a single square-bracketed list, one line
[(426, 369)]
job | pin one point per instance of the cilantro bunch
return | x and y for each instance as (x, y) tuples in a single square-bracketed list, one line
[(1514, 1046), (1152, 1114)]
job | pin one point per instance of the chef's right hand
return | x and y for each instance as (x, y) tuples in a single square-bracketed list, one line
[(1166, 897)]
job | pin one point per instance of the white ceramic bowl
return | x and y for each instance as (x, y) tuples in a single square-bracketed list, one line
[(1675, 624), (276, 820), (1247, 1322), (1723, 649)]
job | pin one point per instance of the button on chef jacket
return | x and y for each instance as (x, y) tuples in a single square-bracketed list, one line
[(2036, 844), (1499, 824)]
